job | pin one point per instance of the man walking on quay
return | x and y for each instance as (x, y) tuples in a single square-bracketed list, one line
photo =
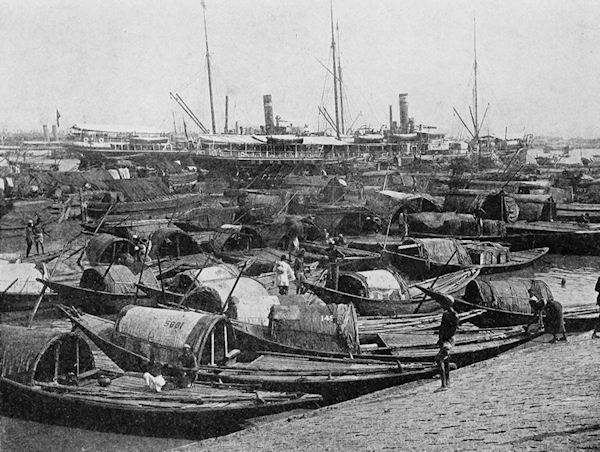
[(283, 275), (446, 333)]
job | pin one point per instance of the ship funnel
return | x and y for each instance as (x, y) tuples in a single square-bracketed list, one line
[(403, 113), (46, 134), (268, 104), (54, 133)]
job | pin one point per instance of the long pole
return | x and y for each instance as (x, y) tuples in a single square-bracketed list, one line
[(436, 279), (475, 120), (335, 78), (210, 90), (226, 304), (226, 114), (340, 80)]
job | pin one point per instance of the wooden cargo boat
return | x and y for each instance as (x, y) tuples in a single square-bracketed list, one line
[(161, 207), (470, 345), (506, 303), (383, 292), (52, 377), (426, 258), (254, 339), (335, 379), (105, 289), (559, 237)]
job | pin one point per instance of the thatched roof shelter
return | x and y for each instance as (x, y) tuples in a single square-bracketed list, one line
[(441, 250), (510, 294), (106, 248), (172, 242), (28, 355), (375, 284), (162, 333), (235, 237), (500, 206), (116, 279), (212, 293), (312, 325)]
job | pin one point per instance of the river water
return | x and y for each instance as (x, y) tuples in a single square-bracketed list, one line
[(579, 274)]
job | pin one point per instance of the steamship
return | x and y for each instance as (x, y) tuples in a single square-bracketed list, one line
[(116, 140)]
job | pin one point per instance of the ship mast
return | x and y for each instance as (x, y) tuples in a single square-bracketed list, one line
[(475, 113), (335, 78), (210, 90), (337, 28)]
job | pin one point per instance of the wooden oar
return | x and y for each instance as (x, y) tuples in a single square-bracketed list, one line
[(7, 289), (137, 287), (39, 300), (196, 276), (436, 279), (162, 283)]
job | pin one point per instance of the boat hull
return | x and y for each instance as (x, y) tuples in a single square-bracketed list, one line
[(190, 419), (96, 302)]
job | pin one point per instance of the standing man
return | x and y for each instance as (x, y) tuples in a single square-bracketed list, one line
[(38, 235), (283, 275), (479, 215), (596, 333), (29, 236), (446, 333), (333, 257), (300, 271)]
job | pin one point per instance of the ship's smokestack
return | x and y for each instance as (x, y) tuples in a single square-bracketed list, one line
[(268, 104), (54, 133), (46, 134), (391, 120), (403, 112)]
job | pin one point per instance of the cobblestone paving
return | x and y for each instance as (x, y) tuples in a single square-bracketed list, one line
[(541, 397)]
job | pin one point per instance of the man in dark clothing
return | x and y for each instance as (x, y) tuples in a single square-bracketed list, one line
[(29, 236), (596, 333), (38, 235), (188, 371), (333, 256), (446, 333), (553, 320)]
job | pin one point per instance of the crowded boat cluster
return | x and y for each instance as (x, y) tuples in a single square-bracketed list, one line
[(180, 284), (265, 285)]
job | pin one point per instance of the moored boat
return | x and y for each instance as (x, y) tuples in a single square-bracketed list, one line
[(506, 303), (430, 257), (334, 377), (105, 289), (51, 376), (384, 292)]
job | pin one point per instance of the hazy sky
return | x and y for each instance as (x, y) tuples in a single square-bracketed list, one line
[(115, 61)]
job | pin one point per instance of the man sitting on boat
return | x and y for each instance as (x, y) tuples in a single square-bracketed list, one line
[(188, 372), (154, 378), (446, 333)]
